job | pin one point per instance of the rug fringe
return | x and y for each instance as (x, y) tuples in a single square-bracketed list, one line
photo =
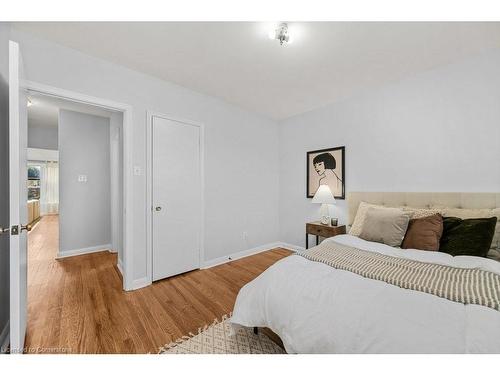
[(184, 338)]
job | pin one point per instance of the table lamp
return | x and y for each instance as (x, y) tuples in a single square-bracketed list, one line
[(325, 197)]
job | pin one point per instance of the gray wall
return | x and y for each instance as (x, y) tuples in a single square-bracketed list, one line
[(435, 131), (4, 175), (42, 136), (241, 147), (84, 207)]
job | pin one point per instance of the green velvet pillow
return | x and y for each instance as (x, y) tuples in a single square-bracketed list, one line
[(467, 236)]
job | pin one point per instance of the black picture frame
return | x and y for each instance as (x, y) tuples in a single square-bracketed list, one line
[(310, 155)]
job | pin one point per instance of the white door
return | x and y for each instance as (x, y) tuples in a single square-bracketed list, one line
[(176, 197), (18, 134)]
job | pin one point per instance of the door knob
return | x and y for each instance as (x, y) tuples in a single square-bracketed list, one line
[(4, 230), (26, 227), (158, 208), (15, 229)]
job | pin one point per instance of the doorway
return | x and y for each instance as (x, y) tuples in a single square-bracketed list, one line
[(70, 183), (119, 132)]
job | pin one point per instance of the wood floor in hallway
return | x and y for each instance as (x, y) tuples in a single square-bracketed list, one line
[(77, 304)]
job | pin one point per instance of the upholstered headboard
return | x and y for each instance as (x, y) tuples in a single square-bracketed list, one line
[(453, 204)]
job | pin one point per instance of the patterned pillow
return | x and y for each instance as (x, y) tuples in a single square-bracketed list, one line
[(420, 213)]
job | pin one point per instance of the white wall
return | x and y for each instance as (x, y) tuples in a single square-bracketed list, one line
[(436, 131), (241, 148), (40, 136), (84, 207), (4, 178)]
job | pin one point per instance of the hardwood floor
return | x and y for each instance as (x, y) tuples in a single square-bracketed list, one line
[(77, 304)]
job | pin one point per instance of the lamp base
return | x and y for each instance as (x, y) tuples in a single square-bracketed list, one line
[(325, 214)]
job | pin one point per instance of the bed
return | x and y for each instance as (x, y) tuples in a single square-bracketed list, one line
[(316, 308)]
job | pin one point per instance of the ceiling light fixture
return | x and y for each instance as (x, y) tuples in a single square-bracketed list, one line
[(281, 34)]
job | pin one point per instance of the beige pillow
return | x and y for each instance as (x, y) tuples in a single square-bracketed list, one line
[(385, 225), (359, 219), (417, 213)]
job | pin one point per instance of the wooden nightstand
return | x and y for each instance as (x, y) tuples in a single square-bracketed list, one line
[(321, 230)]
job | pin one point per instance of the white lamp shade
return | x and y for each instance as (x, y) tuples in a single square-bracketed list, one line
[(323, 195)]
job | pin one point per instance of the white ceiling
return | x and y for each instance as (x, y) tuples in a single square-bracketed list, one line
[(44, 110), (328, 61)]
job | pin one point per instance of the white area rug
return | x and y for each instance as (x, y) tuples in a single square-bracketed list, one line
[(217, 339)]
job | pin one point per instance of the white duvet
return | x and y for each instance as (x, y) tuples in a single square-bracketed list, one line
[(315, 308)]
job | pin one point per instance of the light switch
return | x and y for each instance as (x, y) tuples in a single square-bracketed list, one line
[(82, 178), (137, 171)]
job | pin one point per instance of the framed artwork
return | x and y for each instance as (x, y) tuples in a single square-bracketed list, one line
[(326, 167)]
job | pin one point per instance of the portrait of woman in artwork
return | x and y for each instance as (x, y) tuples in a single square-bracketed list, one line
[(326, 167)]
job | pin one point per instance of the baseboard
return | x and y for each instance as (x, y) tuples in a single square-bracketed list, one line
[(4, 338), (33, 226), (119, 266), (141, 283), (239, 255), (291, 247), (86, 250)]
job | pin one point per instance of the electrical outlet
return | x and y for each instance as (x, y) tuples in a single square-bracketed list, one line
[(82, 178)]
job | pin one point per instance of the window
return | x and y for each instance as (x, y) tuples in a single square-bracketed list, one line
[(34, 182)]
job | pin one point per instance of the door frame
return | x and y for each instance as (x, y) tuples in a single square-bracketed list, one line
[(128, 132), (149, 187)]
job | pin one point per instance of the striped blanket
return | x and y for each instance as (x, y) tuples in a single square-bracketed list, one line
[(464, 285)]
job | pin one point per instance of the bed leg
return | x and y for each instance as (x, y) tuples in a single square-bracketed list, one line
[(256, 330)]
